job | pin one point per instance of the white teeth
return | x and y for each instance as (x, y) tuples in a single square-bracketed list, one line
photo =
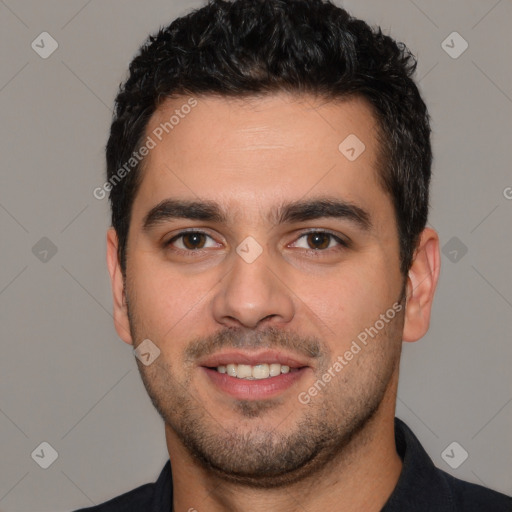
[(258, 371), (243, 371), (275, 370), (261, 371)]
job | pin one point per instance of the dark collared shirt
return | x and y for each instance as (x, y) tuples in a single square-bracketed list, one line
[(421, 487)]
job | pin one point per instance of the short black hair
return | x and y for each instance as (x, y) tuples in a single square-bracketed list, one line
[(255, 47)]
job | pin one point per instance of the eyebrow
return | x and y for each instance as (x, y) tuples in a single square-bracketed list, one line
[(296, 211)]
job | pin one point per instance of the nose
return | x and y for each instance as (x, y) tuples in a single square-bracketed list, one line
[(253, 293)]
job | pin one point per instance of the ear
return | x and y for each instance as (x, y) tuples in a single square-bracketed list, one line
[(421, 285), (121, 322)]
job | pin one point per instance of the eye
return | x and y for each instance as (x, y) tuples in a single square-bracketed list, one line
[(319, 241), (191, 241)]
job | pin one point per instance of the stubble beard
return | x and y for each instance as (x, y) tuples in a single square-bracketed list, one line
[(265, 456)]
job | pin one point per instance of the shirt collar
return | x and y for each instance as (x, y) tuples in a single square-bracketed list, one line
[(162, 499), (421, 486)]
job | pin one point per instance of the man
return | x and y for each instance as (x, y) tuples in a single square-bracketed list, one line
[(268, 168)]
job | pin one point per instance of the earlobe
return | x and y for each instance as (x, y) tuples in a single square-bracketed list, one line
[(121, 321), (421, 285)]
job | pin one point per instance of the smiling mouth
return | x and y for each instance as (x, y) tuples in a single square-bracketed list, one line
[(254, 372)]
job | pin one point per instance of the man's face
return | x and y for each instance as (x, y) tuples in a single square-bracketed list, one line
[(274, 272)]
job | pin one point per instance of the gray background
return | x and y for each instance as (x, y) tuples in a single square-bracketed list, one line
[(67, 379)]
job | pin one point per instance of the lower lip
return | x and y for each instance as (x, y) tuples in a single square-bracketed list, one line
[(257, 389)]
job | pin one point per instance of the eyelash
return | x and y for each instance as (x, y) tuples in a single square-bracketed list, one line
[(316, 252)]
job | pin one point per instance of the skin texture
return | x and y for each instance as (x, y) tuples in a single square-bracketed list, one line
[(304, 296)]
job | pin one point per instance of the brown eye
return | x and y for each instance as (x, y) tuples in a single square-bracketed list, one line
[(319, 240), (190, 241), (194, 240)]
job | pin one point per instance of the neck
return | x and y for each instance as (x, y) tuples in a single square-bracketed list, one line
[(361, 477)]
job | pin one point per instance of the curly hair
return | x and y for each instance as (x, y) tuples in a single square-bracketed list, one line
[(253, 47)]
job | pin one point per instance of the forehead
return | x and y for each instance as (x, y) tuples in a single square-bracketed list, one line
[(262, 150)]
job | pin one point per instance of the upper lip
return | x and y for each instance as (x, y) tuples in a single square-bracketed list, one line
[(252, 358)]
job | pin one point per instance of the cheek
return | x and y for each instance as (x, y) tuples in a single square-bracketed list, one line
[(166, 303), (346, 303)]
